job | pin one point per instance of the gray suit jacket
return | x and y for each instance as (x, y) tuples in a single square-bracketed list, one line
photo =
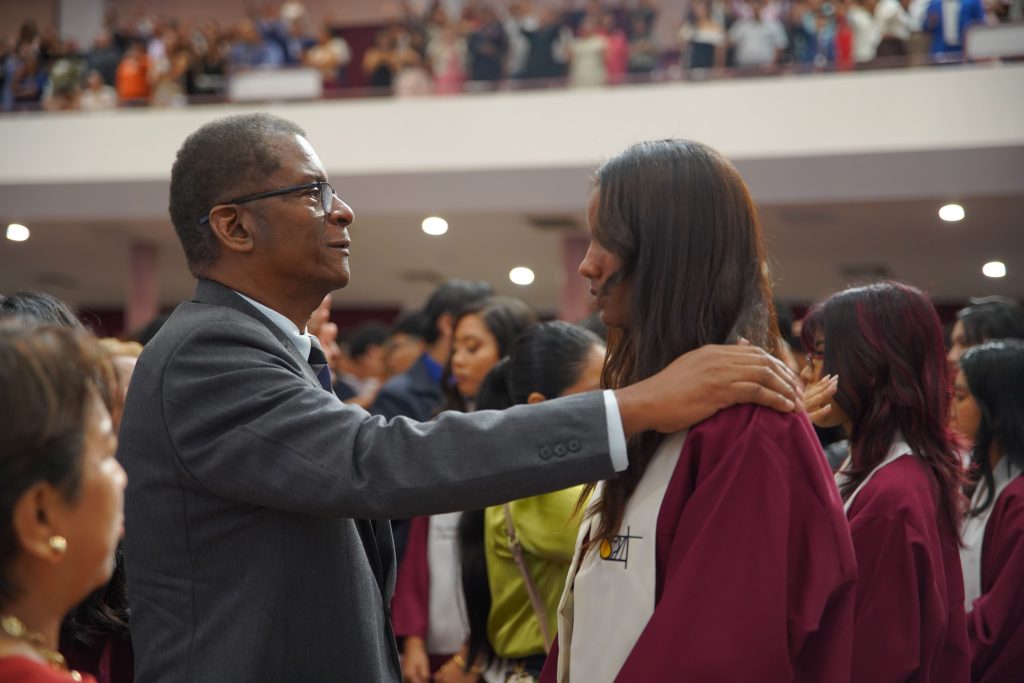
[(244, 554)]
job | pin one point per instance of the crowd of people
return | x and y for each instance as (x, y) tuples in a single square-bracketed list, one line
[(496, 498), (164, 61)]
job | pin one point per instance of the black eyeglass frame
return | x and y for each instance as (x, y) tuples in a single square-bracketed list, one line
[(326, 198)]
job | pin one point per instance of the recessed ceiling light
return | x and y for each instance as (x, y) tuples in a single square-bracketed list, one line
[(951, 213), (994, 269), (435, 226), (16, 232), (521, 275)]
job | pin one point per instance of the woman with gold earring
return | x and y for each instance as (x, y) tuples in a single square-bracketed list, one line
[(61, 491)]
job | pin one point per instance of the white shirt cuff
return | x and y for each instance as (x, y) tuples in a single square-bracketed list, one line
[(616, 435)]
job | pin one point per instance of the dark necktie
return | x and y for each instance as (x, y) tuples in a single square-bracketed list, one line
[(318, 361)]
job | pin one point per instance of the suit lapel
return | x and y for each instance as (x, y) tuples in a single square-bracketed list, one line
[(210, 292), (374, 535)]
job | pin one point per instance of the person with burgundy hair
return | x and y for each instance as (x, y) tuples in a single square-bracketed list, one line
[(901, 483), (721, 553)]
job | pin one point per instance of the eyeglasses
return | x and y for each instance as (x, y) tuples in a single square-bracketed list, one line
[(322, 186)]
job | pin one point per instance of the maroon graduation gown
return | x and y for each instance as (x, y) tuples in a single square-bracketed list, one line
[(410, 603), (995, 624), (755, 571), (910, 624)]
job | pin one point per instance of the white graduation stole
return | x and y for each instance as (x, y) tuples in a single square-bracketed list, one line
[(898, 449), (611, 590)]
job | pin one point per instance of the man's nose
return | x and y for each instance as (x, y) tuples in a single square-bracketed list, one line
[(341, 212)]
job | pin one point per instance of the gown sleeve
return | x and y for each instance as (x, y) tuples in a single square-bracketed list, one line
[(995, 624), (894, 567), (755, 566)]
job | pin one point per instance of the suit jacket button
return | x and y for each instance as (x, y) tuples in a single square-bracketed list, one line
[(545, 453), (560, 450), (574, 445)]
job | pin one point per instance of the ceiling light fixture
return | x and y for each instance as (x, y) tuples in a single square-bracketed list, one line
[(521, 275), (951, 213), (16, 232), (435, 226), (994, 269)]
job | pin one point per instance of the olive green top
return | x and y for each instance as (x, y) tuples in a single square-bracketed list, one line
[(547, 531)]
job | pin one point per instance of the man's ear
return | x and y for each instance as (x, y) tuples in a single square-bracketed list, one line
[(535, 397), (233, 233)]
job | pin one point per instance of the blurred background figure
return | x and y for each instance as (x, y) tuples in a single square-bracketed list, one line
[(990, 317), (417, 392), (61, 490), (331, 55), (362, 362), (488, 46), (587, 67), (510, 633), (758, 39), (405, 343), (427, 608), (97, 95), (379, 61), (703, 38), (990, 412), (133, 75)]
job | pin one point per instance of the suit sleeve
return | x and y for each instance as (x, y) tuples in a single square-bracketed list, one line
[(410, 605), (995, 624), (752, 573), (247, 425)]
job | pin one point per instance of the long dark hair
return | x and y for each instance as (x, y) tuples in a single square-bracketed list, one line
[(995, 376), (681, 220), (885, 342), (548, 358), (506, 318)]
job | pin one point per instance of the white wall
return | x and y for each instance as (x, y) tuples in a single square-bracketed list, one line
[(895, 134)]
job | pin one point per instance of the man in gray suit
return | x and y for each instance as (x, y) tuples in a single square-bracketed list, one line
[(252, 550)]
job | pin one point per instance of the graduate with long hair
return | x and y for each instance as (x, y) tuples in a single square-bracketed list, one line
[(427, 610), (901, 483), (512, 593), (990, 411), (721, 553)]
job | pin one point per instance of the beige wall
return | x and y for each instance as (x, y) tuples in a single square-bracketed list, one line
[(14, 12)]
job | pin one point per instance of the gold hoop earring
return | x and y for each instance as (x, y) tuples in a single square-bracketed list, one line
[(59, 543)]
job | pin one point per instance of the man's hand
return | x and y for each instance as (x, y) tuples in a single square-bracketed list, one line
[(818, 397), (698, 384)]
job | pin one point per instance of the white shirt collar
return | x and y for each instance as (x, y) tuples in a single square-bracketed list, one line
[(301, 340)]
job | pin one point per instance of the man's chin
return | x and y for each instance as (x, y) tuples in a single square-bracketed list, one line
[(341, 280)]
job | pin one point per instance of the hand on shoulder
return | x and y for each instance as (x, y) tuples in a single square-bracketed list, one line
[(699, 383)]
